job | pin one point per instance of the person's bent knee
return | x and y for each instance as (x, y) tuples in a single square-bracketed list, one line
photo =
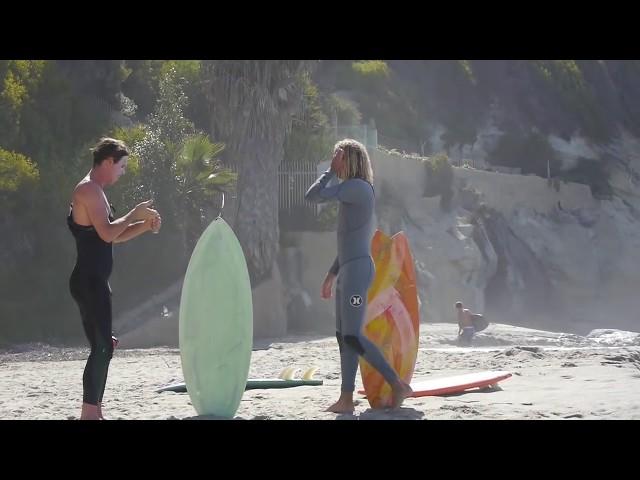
[(354, 342)]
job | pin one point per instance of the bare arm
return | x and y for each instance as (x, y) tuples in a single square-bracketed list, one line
[(132, 231), (138, 228), (90, 197)]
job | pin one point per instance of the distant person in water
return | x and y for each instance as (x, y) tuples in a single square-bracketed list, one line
[(353, 267), (468, 324), (95, 229)]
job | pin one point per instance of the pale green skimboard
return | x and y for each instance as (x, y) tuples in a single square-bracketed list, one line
[(216, 322)]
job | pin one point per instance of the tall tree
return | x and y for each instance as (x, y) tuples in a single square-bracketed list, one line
[(252, 103)]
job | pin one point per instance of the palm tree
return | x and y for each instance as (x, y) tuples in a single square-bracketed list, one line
[(180, 165), (251, 104), (200, 179)]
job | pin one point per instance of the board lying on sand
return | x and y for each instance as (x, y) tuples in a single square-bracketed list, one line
[(285, 380), (253, 384), (392, 322), (455, 384)]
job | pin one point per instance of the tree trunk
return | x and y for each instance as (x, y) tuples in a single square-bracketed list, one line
[(251, 106), (256, 215)]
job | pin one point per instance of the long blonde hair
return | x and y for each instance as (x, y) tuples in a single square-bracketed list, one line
[(356, 160)]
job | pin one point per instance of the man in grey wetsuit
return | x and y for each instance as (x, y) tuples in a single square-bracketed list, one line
[(354, 265)]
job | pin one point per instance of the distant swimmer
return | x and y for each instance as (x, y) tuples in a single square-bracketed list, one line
[(468, 324)]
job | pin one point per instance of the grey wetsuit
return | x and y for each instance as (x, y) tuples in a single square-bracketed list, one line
[(355, 269)]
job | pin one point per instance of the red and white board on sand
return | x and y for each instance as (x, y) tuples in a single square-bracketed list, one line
[(456, 383)]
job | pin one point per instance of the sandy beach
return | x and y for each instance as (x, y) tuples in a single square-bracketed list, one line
[(555, 376)]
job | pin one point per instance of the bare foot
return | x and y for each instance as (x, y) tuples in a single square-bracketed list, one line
[(100, 416), (400, 392), (341, 407), (89, 412), (344, 404)]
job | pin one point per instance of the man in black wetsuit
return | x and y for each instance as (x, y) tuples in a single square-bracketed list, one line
[(94, 228)]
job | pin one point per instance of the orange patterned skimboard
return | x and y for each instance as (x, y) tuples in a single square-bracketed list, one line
[(392, 322), (456, 383)]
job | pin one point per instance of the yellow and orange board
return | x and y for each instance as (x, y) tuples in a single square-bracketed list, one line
[(392, 322)]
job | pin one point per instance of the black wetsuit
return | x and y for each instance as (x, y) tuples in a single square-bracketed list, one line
[(89, 286)]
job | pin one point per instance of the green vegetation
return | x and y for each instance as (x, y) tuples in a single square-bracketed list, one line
[(439, 179), (198, 128)]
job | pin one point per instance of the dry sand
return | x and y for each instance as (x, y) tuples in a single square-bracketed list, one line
[(555, 376)]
